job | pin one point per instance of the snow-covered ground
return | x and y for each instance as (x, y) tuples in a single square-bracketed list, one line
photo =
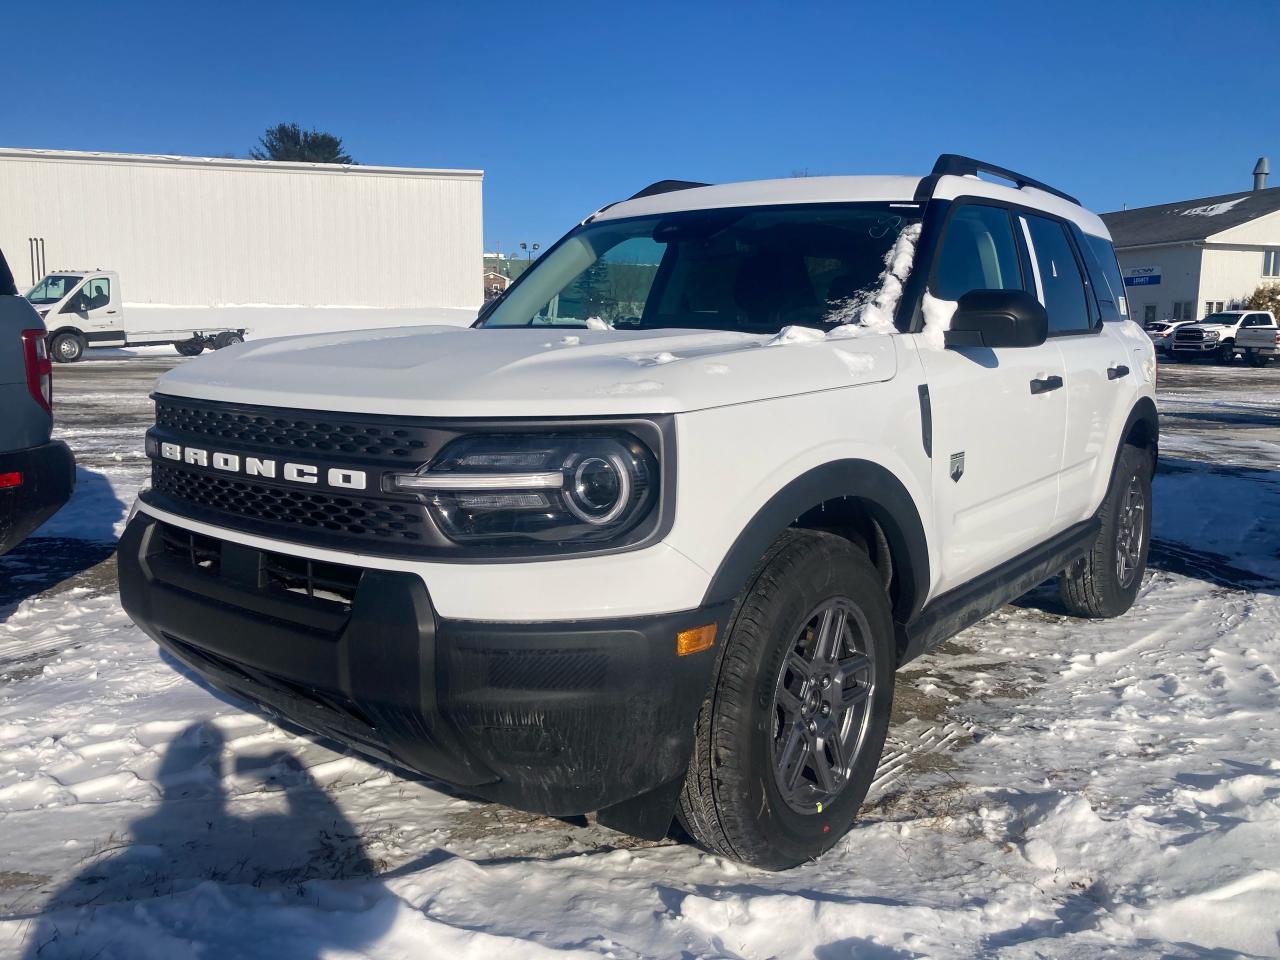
[(1053, 787)]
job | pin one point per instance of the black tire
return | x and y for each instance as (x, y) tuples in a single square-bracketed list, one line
[(226, 339), (732, 802), (190, 348), (1227, 352), (1256, 359), (67, 348), (1096, 587)]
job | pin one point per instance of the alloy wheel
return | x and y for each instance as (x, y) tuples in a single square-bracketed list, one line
[(821, 705), (1130, 532)]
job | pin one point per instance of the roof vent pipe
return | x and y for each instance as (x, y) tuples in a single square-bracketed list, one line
[(1260, 171)]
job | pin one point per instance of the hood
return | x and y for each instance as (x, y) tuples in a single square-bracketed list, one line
[(453, 372)]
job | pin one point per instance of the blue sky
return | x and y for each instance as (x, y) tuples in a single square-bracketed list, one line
[(568, 106)]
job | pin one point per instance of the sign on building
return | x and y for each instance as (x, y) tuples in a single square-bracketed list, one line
[(1141, 276)]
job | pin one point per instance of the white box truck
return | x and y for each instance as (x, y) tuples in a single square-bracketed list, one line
[(82, 309)]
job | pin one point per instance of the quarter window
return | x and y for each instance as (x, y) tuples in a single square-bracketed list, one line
[(1059, 275), (1108, 287), (977, 253)]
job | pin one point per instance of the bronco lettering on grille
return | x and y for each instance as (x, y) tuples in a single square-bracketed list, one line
[(290, 471)]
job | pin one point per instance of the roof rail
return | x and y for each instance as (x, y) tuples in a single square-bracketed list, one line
[(666, 186), (952, 164)]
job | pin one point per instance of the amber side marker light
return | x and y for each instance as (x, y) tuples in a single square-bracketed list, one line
[(695, 640)]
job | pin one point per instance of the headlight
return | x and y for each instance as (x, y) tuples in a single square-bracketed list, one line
[(508, 489), (1211, 334)]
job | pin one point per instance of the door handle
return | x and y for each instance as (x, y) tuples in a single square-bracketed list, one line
[(1116, 372), (1047, 384)]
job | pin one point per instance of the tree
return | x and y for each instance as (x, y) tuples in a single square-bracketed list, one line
[(288, 141), (1266, 297)]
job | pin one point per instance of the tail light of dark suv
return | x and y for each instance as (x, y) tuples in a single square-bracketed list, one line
[(39, 368)]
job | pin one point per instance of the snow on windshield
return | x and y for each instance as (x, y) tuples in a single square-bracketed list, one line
[(871, 312)]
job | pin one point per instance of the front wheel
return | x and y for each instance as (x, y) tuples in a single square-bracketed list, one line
[(794, 723), (1256, 359), (1105, 583), (67, 347), (1226, 353), (190, 348)]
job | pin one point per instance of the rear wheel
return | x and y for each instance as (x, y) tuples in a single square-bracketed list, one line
[(1105, 583), (226, 339), (190, 348), (67, 347), (795, 721)]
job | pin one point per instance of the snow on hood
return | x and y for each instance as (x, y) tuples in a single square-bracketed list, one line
[(547, 371)]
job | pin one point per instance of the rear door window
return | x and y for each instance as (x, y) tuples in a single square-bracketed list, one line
[(1058, 274)]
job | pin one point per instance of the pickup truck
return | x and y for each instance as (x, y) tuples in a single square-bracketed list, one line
[(82, 309), (1258, 339), (36, 474), (1215, 336)]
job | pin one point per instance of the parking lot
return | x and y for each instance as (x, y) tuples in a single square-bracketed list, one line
[(1046, 777)]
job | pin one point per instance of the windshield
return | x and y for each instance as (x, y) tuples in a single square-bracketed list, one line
[(52, 288), (754, 269), (1226, 319)]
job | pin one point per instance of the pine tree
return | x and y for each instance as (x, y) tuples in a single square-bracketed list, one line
[(1266, 297), (288, 141)]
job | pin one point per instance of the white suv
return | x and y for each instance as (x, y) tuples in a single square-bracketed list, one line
[(653, 536)]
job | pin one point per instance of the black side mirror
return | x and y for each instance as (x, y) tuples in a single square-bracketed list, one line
[(998, 318)]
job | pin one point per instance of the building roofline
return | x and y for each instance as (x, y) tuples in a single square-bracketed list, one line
[(226, 163)]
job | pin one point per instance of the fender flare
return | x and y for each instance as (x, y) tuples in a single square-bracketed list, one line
[(886, 499), (1144, 411), (61, 330)]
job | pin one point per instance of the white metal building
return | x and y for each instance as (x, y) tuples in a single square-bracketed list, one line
[(196, 231), (1185, 260)]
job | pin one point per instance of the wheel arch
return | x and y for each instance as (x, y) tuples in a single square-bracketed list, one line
[(75, 331), (1141, 429), (871, 488)]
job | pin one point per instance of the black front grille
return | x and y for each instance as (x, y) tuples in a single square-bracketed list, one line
[(1188, 335), (365, 519), (347, 435)]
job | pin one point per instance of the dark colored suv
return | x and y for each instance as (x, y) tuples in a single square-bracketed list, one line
[(37, 474)]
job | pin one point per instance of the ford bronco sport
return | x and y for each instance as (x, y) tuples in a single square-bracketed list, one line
[(652, 537)]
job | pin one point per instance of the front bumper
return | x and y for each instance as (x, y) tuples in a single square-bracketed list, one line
[(48, 478), (562, 718)]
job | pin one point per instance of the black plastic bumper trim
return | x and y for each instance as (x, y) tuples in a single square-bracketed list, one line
[(563, 718), (48, 479)]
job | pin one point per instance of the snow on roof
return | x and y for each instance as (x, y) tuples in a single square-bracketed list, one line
[(1188, 220)]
